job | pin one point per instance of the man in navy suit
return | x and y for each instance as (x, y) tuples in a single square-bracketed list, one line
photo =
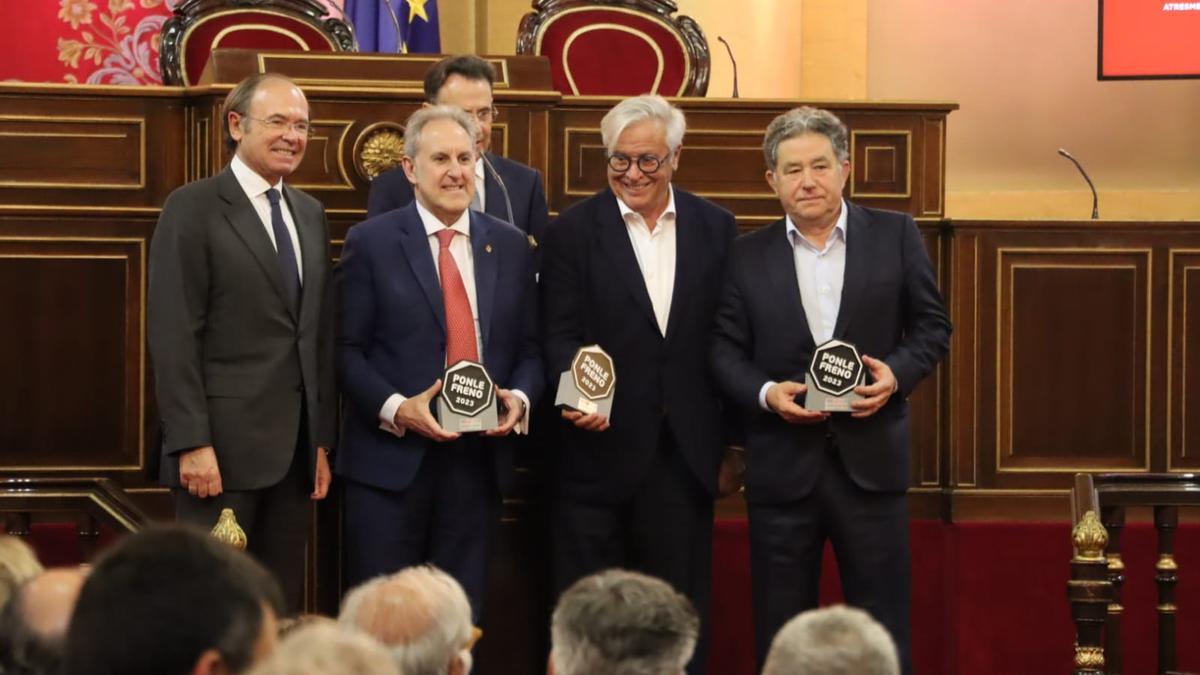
[(505, 189), (422, 286), (637, 269), (829, 269)]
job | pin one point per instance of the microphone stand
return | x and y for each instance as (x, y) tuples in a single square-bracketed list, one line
[(1095, 198)]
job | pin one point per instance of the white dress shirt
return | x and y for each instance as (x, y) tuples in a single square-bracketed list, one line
[(820, 274), (464, 258), (479, 184), (655, 252), (255, 187)]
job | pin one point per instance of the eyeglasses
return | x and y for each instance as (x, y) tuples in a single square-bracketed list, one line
[(484, 115), (281, 126), (645, 163)]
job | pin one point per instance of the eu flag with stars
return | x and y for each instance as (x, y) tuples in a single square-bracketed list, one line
[(376, 30)]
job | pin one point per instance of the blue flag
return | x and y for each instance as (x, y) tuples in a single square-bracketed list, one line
[(376, 30)]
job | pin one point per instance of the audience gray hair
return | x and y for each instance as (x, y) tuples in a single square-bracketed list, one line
[(17, 563), (320, 648), (421, 614), (33, 626), (836, 640), (415, 125), (622, 623), (639, 109), (805, 120)]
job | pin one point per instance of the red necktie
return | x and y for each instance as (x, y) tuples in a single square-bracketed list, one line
[(460, 324)]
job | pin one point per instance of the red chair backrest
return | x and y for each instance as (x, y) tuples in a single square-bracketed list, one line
[(248, 29)]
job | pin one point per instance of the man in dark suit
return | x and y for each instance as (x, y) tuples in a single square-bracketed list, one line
[(505, 189), (828, 270), (422, 287), (637, 269), (240, 322)]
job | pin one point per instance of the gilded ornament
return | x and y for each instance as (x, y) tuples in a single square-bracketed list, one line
[(1090, 658), (228, 531), (1089, 537), (378, 149)]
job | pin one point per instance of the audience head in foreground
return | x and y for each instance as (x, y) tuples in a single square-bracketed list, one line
[(33, 625), (17, 563), (324, 648), (172, 601), (421, 614), (622, 623), (836, 640)]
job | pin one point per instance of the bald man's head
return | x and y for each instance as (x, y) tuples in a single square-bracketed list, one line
[(48, 600)]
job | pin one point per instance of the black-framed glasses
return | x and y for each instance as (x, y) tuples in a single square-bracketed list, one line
[(645, 163), (282, 126)]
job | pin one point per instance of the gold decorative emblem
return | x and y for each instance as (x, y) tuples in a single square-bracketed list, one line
[(228, 531), (1089, 537), (1166, 563), (1089, 658), (378, 148)]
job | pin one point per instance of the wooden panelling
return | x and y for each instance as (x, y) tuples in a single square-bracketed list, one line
[(1183, 362), (73, 352)]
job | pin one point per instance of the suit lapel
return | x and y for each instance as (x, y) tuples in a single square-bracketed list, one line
[(415, 243), (781, 270), (689, 257), (245, 221), (486, 269), (312, 250), (614, 241), (493, 198), (859, 245)]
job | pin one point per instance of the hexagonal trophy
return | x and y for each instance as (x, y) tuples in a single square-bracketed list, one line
[(590, 384), (468, 399), (835, 370)]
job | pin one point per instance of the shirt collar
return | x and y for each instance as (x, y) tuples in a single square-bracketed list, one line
[(625, 210), (839, 229), (433, 225), (479, 168), (252, 183)]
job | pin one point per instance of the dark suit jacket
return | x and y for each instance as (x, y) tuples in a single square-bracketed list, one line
[(392, 335), (593, 292), (232, 365), (391, 190), (891, 309)]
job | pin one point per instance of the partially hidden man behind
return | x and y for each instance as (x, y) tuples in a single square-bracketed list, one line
[(637, 269), (504, 189), (419, 288), (828, 269), (241, 334)]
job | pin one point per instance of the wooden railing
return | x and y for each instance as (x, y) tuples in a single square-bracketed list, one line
[(1099, 504), (94, 502)]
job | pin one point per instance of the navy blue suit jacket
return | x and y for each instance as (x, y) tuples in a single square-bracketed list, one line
[(891, 309), (593, 292), (391, 190), (392, 338)]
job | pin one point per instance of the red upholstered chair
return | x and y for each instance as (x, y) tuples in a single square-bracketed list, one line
[(617, 47), (200, 26)]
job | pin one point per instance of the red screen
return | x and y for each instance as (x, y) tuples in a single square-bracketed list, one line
[(1149, 38)]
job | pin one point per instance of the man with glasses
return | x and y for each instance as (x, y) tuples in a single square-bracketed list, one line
[(504, 189), (240, 327), (637, 269)]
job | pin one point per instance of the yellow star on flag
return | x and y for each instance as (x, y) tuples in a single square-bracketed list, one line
[(417, 8)]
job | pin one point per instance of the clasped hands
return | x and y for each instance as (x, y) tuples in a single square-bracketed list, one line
[(781, 396), (414, 414)]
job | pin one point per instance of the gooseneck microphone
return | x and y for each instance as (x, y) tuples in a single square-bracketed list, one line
[(1095, 199), (733, 61), (503, 188), (395, 22)]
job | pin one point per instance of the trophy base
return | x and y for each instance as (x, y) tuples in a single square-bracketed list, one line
[(462, 424), (817, 400), (570, 396)]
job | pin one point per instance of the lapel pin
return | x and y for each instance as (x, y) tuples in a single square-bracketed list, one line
[(488, 248)]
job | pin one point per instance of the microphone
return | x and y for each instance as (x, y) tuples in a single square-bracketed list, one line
[(395, 22), (732, 60), (503, 188), (1095, 199)]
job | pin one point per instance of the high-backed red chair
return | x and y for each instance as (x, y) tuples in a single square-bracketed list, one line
[(200, 26), (617, 47)]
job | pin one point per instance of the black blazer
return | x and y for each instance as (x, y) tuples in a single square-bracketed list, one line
[(593, 292), (891, 309), (232, 365), (391, 190)]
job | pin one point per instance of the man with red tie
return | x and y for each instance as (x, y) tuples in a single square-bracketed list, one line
[(420, 288)]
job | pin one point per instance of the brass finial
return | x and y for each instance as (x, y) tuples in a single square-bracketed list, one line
[(1089, 658), (228, 531), (1090, 537)]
